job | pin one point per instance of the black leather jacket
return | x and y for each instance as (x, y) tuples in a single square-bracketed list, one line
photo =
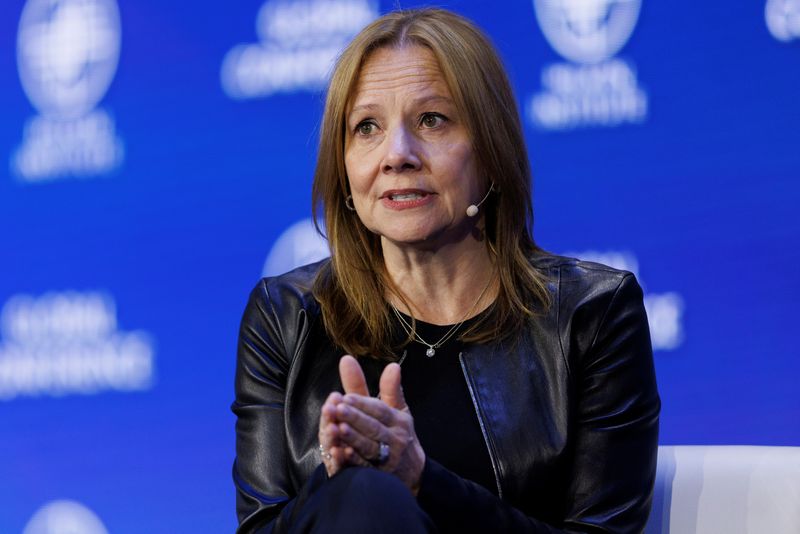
[(569, 414)]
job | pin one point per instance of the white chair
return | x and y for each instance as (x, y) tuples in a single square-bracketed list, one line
[(726, 490)]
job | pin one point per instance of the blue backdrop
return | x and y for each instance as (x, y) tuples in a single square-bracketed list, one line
[(159, 161)]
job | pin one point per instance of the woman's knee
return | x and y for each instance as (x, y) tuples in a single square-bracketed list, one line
[(361, 499), (372, 484)]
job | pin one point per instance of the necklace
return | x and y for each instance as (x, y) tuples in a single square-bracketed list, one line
[(412, 332)]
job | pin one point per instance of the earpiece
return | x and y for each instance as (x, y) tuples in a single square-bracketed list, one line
[(472, 209)]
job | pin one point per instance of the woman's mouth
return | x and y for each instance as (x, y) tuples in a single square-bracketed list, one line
[(406, 198)]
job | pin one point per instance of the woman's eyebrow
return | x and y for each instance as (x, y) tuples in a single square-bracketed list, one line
[(420, 101), (362, 107), (432, 99)]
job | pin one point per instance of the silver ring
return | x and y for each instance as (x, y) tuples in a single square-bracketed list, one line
[(324, 453), (383, 454)]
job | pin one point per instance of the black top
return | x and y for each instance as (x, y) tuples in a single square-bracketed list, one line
[(436, 392)]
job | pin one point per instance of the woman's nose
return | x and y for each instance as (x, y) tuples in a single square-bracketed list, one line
[(402, 152)]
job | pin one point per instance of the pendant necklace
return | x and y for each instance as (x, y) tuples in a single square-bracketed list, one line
[(412, 332)]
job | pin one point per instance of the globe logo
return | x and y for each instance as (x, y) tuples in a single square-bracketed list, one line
[(300, 244), (67, 52), (783, 19), (587, 31), (64, 517)]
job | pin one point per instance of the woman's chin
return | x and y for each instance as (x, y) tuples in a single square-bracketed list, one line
[(407, 239), (426, 239)]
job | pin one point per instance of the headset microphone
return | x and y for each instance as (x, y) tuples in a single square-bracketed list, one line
[(472, 209)]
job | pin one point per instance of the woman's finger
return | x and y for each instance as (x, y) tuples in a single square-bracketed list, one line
[(363, 447), (328, 414), (331, 450), (352, 376), (351, 457), (391, 389), (360, 421), (375, 408)]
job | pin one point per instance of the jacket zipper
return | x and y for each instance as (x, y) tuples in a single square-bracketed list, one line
[(480, 422)]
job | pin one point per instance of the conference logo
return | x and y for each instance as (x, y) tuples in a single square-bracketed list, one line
[(664, 310), (593, 87), (67, 54), (64, 517), (69, 342), (298, 245), (783, 19), (299, 41)]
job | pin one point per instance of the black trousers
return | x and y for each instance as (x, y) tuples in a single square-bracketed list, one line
[(356, 500)]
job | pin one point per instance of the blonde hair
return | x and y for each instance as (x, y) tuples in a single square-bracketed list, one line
[(351, 288)]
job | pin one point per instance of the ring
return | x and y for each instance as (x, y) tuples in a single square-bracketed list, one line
[(324, 453), (383, 454)]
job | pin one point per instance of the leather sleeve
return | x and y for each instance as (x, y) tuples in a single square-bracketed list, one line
[(614, 437), (262, 483)]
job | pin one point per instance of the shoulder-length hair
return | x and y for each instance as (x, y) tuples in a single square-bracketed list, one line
[(352, 287)]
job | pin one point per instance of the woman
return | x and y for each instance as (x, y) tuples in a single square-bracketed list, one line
[(520, 394)]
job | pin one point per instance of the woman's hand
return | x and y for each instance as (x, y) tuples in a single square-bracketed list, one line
[(364, 423), (336, 455)]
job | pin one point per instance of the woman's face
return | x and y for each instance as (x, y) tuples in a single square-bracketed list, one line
[(408, 155)]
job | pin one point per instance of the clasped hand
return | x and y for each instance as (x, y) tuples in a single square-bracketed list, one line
[(353, 426)]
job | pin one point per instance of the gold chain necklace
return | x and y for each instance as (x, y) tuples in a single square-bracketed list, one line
[(412, 332)]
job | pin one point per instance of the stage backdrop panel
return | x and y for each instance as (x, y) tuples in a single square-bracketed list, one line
[(158, 161)]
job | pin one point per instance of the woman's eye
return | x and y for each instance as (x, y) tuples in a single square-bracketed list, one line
[(432, 120), (365, 128)]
